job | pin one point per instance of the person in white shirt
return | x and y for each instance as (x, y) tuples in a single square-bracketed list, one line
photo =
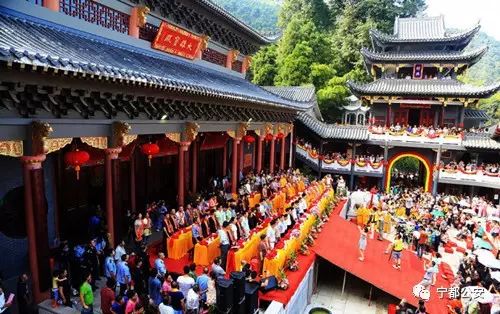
[(244, 225), (164, 308), (119, 251), (193, 300), (302, 205), (271, 234), (4, 305), (185, 281)]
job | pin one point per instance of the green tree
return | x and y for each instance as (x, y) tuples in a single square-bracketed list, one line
[(295, 68), (320, 74), (264, 67), (316, 11), (301, 46), (492, 107)]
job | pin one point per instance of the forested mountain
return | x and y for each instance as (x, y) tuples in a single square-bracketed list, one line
[(260, 14), (321, 40)]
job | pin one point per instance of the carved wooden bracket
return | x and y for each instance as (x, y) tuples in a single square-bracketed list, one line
[(190, 131), (120, 130), (40, 131), (142, 15)]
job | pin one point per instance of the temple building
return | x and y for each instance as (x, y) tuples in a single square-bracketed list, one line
[(107, 106), (417, 108)]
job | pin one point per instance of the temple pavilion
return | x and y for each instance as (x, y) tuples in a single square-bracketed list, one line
[(417, 108)]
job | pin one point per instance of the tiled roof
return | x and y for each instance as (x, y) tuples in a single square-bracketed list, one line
[(480, 140), (429, 56), (422, 27), (302, 94), (32, 42), (476, 114), (427, 29), (332, 131), (432, 87), (295, 93)]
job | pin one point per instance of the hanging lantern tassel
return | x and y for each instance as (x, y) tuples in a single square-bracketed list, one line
[(77, 169), (150, 149), (75, 159)]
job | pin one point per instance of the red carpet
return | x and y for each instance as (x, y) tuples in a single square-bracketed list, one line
[(294, 279), (338, 243)]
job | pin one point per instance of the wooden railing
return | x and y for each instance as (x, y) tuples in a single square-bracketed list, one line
[(96, 13)]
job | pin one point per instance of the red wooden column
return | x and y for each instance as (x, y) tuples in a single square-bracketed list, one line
[(234, 168), (389, 114), (36, 225), (224, 161), (51, 5), (133, 25), (194, 181), (282, 153), (183, 148), (133, 203), (271, 157), (241, 148), (111, 154), (260, 152)]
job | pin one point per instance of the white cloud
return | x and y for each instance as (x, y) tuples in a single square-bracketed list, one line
[(465, 13)]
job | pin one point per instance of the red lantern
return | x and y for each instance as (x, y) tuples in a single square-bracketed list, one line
[(150, 149), (280, 136), (269, 137), (76, 159), (248, 139)]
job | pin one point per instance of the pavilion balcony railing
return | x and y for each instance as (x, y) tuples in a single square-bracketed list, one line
[(96, 13), (404, 136), (341, 165), (461, 176)]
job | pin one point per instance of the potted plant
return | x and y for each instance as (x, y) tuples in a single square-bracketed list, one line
[(283, 282), (292, 263)]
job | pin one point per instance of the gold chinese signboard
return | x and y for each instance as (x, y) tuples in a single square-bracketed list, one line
[(176, 41)]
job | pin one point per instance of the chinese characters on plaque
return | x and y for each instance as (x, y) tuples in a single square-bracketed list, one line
[(176, 41)]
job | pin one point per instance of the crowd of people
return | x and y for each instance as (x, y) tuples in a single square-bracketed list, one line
[(365, 157), (136, 284), (421, 130), (471, 166), (429, 226)]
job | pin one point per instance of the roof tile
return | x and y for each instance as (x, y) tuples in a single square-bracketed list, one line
[(94, 55)]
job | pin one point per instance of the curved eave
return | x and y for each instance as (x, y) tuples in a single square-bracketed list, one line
[(385, 39), (470, 57), (364, 90), (332, 131), (247, 29)]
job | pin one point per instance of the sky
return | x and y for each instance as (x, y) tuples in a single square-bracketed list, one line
[(465, 13)]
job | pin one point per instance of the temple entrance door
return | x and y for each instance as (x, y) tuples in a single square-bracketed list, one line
[(426, 117), (401, 116), (413, 117)]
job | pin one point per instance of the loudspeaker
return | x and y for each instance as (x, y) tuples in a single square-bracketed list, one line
[(224, 295), (238, 278), (251, 298)]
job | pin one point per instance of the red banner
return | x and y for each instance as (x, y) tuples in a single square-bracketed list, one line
[(176, 41)]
